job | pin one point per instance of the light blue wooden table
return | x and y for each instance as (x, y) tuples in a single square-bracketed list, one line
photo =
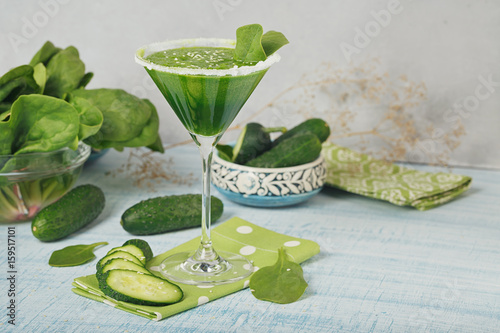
[(382, 268)]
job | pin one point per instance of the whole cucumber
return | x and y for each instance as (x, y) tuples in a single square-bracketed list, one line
[(300, 149), (162, 214), (73, 211), (313, 125), (254, 139)]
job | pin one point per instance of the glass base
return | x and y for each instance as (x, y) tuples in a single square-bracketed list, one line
[(226, 268)]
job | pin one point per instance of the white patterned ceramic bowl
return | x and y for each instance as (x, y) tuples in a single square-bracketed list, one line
[(268, 187)]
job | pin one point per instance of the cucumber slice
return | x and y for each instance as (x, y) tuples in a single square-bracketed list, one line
[(120, 263), (137, 288), (118, 254), (133, 250), (143, 245)]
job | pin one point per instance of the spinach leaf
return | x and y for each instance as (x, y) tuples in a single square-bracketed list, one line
[(42, 123), (6, 138), (149, 135), (74, 255), (65, 70), (40, 76), (4, 116), (4, 107), (16, 82), (272, 41), (248, 47), (90, 117), (85, 80), (43, 55), (157, 145), (146, 137), (281, 283), (225, 152), (125, 115)]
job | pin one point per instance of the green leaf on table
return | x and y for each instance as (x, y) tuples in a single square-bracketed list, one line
[(65, 71), (281, 283), (42, 123), (46, 53), (248, 44), (225, 152), (90, 117), (272, 41), (74, 255)]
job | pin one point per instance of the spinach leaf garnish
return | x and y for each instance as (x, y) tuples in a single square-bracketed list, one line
[(252, 45), (281, 283), (272, 41), (74, 255), (248, 44)]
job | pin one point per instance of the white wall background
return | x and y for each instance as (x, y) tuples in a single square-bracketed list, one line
[(450, 47)]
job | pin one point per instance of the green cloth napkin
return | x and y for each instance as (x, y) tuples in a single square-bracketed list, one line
[(235, 235), (362, 174)]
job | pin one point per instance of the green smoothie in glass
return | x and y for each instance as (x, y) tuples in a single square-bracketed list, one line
[(206, 83), (205, 104)]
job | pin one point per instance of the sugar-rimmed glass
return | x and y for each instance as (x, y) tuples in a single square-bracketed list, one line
[(206, 101)]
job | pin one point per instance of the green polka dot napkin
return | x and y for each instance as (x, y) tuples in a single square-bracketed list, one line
[(235, 235), (362, 174)]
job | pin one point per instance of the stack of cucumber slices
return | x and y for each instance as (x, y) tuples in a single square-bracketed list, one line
[(123, 276)]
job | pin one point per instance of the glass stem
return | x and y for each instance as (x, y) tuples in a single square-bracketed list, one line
[(206, 252)]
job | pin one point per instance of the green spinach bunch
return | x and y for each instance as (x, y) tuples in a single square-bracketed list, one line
[(44, 106)]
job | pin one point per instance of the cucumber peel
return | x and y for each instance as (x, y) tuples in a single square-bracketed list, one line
[(118, 254), (143, 245), (133, 250)]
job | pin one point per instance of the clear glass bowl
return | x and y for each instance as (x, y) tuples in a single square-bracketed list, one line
[(30, 182)]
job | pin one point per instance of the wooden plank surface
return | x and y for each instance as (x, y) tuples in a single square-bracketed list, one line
[(382, 268)]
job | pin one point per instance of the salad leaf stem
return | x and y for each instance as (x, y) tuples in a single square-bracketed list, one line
[(49, 189), (7, 206)]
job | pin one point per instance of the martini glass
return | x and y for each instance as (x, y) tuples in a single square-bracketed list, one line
[(206, 101)]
